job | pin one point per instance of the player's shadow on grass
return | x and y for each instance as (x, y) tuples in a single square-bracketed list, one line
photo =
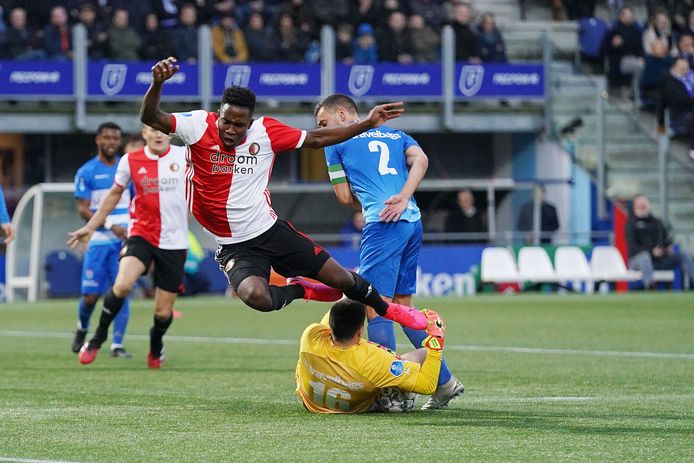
[(607, 423)]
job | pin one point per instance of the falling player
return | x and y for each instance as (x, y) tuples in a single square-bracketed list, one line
[(230, 162), (379, 171), (158, 233)]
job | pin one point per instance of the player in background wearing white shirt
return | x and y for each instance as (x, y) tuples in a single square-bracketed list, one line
[(158, 232), (230, 161)]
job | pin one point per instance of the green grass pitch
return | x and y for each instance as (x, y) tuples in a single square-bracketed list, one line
[(548, 378)]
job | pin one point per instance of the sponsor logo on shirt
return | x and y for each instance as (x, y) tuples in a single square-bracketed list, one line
[(142, 171), (158, 185), (223, 163), (101, 176), (379, 134), (397, 368)]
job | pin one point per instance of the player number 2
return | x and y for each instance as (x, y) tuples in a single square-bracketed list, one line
[(333, 398), (380, 147)]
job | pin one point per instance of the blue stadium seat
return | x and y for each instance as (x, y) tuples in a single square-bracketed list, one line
[(63, 274), (591, 33), (209, 268)]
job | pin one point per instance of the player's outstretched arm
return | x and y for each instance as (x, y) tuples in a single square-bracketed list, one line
[(150, 113), (428, 376), (418, 162), (318, 138), (109, 203), (346, 197)]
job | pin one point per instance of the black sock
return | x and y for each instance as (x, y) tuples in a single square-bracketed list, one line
[(283, 295), (364, 292), (112, 305), (156, 334)]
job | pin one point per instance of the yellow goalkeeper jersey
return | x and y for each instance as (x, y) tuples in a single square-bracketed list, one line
[(332, 379)]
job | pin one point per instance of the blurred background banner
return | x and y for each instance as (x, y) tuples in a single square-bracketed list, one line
[(270, 79), (54, 78), (500, 80)]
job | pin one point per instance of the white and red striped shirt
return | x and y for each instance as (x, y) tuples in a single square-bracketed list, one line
[(158, 213), (227, 190)]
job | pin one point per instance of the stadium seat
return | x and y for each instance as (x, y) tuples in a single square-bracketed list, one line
[(498, 266), (534, 265), (63, 274), (607, 264), (572, 266)]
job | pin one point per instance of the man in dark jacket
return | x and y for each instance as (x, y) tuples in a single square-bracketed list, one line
[(466, 218), (465, 37), (549, 222), (649, 246), (677, 95), (624, 50)]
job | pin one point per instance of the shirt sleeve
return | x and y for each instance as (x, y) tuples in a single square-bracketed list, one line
[(190, 126), (408, 141), (333, 159), (82, 188), (386, 370), (123, 172), (283, 137), (4, 216)]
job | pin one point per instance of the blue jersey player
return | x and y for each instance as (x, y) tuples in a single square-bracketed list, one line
[(377, 172), (100, 266)]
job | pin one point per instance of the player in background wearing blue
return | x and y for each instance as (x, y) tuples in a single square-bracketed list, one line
[(5, 222), (378, 171), (100, 266)]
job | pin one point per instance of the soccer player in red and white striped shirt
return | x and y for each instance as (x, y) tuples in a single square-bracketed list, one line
[(157, 233), (230, 161)]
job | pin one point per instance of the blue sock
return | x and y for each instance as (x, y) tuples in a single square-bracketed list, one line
[(416, 337), (381, 332), (84, 313), (120, 323)]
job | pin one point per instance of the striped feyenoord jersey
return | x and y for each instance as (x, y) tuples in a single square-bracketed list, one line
[(227, 190), (375, 165), (158, 213)]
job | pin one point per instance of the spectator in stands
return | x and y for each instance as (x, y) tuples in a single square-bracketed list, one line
[(430, 10), (291, 43), (123, 42), (301, 15), (365, 11), (57, 36), (96, 32), (228, 41), (649, 245), (689, 26), (657, 66), (166, 11), (425, 40), (21, 43), (155, 41), (549, 222), (365, 48), (686, 49), (344, 44), (394, 43), (677, 95), (577, 9), (351, 231), (330, 12), (465, 218), (624, 50), (221, 7), (186, 35), (659, 30), (259, 39), (490, 43), (465, 37)]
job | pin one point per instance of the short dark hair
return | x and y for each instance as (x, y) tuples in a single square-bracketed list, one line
[(333, 101), (107, 125), (346, 317), (239, 96)]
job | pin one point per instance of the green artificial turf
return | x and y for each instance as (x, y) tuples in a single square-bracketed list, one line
[(548, 378)]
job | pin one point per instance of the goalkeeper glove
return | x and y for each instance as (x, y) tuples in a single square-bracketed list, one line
[(435, 330)]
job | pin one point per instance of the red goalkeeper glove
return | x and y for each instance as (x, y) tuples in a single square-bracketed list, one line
[(435, 330)]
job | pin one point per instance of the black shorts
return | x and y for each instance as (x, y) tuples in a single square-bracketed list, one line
[(288, 251), (168, 263)]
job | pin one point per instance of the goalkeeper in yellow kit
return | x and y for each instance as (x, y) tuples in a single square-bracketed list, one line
[(338, 372)]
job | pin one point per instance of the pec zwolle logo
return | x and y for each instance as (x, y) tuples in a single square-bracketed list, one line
[(237, 75), (471, 79), (113, 78), (360, 80)]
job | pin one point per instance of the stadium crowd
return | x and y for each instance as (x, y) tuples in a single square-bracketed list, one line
[(368, 31)]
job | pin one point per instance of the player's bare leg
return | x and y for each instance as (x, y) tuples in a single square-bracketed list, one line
[(129, 270), (163, 316)]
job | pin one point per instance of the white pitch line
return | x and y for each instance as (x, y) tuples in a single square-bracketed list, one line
[(31, 460), (289, 342)]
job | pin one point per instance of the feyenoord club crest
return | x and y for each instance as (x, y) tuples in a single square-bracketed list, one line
[(113, 78), (253, 149), (174, 167), (238, 75), (360, 79), (471, 79)]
